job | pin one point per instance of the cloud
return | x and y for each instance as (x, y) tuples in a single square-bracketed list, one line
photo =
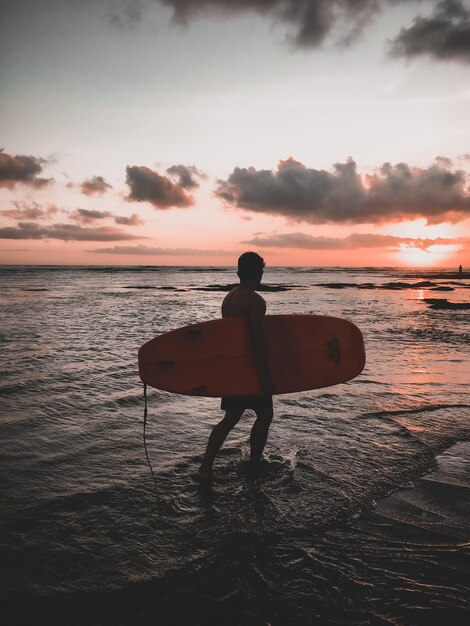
[(186, 175), (392, 192), (133, 220), (147, 185), (150, 251), (21, 169), (32, 211), (351, 242), (125, 13), (444, 36), (91, 216), (94, 186), (64, 232), (311, 21)]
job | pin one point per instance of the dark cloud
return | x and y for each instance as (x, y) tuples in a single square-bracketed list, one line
[(444, 161), (310, 21), (393, 192), (21, 169), (186, 175), (64, 232), (147, 185), (89, 216), (445, 35), (351, 242), (125, 13), (133, 220), (150, 251), (31, 211), (95, 186)]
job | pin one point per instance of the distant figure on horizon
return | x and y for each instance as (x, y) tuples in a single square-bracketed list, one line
[(460, 269), (244, 301)]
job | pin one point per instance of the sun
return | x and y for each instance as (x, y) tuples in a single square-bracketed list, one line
[(434, 255), (420, 229), (412, 253)]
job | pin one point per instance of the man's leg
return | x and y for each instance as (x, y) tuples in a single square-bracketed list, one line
[(216, 439), (259, 433)]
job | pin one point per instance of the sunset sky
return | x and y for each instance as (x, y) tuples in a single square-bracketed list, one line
[(184, 132)]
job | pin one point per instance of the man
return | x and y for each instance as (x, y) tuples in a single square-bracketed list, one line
[(244, 301)]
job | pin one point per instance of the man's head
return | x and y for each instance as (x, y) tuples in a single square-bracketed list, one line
[(250, 266)]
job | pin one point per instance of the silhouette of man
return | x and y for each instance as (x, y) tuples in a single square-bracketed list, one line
[(244, 301)]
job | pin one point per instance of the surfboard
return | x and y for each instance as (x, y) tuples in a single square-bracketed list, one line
[(214, 358)]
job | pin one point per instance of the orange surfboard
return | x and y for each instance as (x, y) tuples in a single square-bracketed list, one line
[(215, 359)]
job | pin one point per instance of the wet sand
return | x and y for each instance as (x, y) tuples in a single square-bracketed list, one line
[(423, 535), (438, 504)]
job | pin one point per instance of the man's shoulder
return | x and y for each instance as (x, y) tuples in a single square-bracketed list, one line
[(258, 297), (253, 297), (258, 302)]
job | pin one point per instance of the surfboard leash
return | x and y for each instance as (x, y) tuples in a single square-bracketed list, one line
[(145, 439)]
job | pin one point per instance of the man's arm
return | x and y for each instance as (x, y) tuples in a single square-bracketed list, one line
[(259, 344)]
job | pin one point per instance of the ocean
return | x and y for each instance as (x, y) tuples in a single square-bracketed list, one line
[(87, 538)]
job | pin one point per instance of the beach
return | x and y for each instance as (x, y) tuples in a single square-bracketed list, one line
[(360, 517)]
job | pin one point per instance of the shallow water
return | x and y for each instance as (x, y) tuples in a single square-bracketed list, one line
[(80, 520)]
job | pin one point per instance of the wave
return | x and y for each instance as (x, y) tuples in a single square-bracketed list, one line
[(414, 411)]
